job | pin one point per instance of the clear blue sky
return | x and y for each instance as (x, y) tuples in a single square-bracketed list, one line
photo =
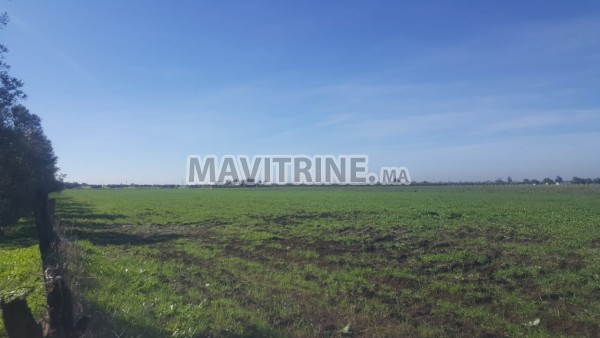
[(454, 90)]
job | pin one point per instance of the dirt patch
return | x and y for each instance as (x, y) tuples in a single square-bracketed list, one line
[(296, 218)]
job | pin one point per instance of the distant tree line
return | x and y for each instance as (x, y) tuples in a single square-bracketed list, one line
[(509, 181), (77, 185), (230, 184)]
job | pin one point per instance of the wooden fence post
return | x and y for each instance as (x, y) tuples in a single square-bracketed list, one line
[(18, 320)]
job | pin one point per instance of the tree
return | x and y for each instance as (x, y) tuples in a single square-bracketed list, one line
[(547, 181), (10, 87), (27, 160), (509, 180), (559, 180), (27, 164), (27, 175)]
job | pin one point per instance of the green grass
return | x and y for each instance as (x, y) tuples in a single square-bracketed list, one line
[(338, 261), (20, 269)]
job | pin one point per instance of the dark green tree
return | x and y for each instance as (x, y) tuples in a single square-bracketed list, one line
[(27, 161), (28, 173), (548, 180)]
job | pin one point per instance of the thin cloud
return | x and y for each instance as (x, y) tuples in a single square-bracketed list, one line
[(337, 119), (544, 120), (52, 47)]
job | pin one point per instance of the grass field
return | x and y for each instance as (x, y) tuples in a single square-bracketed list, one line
[(21, 268), (336, 261)]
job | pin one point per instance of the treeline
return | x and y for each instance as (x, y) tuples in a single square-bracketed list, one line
[(28, 173), (77, 185), (28, 170), (508, 181)]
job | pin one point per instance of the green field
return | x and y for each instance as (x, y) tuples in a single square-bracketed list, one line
[(336, 261), (21, 268)]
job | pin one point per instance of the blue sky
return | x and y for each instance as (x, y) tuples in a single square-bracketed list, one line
[(453, 90)]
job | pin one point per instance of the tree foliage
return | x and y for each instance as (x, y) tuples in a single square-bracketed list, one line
[(27, 160)]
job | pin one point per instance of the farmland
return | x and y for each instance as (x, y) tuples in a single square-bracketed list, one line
[(334, 261)]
